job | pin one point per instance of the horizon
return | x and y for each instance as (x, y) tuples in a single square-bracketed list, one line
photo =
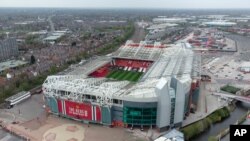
[(124, 8)]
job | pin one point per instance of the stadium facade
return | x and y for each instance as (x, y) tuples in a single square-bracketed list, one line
[(138, 85), (8, 49)]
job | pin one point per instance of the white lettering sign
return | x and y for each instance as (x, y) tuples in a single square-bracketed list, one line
[(239, 132)]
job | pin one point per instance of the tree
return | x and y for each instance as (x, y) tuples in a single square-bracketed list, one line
[(73, 44), (25, 86), (53, 70), (212, 138), (31, 39), (17, 84), (32, 59), (2, 35)]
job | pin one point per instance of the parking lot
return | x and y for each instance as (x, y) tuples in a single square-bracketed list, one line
[(226, 68)]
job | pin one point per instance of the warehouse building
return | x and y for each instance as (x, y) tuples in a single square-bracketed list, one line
[(245, 67), (139, 85), (219, 23), (169, 20)]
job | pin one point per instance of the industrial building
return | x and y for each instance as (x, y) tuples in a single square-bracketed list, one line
[(55, 36), (139, 85), (159, 34), (245, 67), (162, 19), (220, 23), (8, 49), (11, 64)]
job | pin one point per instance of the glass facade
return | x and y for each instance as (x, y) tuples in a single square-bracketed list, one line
[(186, 110), (172, 110), (139, 116)]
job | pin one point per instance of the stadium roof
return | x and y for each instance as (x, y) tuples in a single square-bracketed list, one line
[(176, 61), (90, 65), (142, 51)]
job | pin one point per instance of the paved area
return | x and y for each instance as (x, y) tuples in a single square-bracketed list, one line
[(226, 67), (223, 69), (25, 112), (4, 136), (36, 125), (7, 116), (230, 45), (55, 128), (29, 109), (66, 132), (243, 47)]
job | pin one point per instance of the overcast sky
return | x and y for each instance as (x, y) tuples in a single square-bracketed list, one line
[(128, 3)]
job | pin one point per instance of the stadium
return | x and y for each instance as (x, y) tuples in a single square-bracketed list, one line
[(139, 85)]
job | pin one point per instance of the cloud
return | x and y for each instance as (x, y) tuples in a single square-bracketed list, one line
[(128, 3)]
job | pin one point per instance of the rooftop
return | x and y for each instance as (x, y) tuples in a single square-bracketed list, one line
[(52, 38), (220, 23), (161, 26), (11, 64), (141, 51), (245, 64), (173, 135), (169, 20), (17, 95)]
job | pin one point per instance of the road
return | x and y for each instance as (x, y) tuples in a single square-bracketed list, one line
[(201, 107), (139, 34), (52, 28), (237, 97)]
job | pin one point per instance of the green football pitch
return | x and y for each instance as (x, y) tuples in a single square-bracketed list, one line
[(125, 75)]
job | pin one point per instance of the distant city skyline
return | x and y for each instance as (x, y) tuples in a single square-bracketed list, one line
[(178, 4)]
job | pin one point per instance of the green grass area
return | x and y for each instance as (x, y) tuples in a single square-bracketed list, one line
[(111, 74), (230, 89), (122, 75), (125, 75), (135, 77), (128, 76)]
